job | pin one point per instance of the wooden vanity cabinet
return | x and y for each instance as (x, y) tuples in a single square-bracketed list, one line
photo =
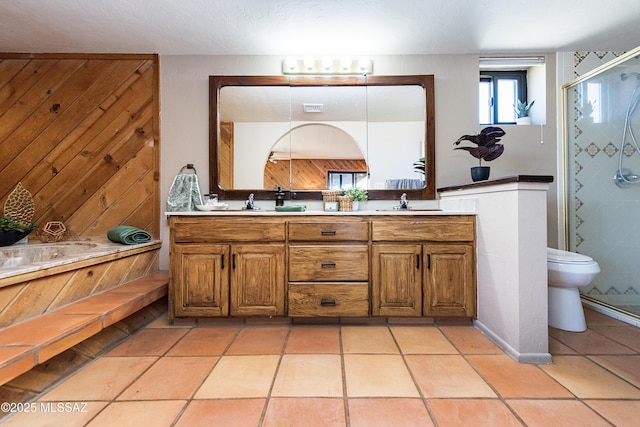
[(322, 265), (227, 266), (424, 266)]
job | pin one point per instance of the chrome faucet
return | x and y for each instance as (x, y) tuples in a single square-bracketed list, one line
[(249, 203), (404, 203)]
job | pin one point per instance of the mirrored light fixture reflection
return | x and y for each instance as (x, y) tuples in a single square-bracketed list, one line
[(327, 65)]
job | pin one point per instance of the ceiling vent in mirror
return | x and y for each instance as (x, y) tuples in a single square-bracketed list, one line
[(312, 108)]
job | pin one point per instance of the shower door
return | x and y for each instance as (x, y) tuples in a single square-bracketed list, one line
[(602, 156)]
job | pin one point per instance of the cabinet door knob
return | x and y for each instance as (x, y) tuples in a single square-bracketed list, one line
[(328, 302)]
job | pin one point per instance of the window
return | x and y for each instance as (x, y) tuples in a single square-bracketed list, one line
[(499, 93), (346, 180)]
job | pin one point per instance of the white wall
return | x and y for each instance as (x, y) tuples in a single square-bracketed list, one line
[(184, 102)]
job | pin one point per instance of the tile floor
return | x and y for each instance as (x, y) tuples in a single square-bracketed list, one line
[(395, 374)]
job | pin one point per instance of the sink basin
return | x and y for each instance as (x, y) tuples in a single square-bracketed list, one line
[(409, 210)]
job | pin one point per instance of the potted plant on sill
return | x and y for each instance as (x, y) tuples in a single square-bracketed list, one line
[(522, 112), (358, 194), (487, 149)]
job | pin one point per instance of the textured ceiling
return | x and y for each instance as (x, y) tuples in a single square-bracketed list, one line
[(283, 27)]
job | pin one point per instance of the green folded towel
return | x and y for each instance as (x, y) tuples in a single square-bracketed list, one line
[(128, 235), (291, 208)]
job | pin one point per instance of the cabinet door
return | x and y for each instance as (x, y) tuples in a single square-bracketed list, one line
[(201, 280), (257, 280), (450, 285), (396, 280)]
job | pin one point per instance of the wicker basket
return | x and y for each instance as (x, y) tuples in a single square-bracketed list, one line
[(330, 196), (346, 203)]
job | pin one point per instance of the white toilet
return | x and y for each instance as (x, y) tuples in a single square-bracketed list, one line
[(567, 271)]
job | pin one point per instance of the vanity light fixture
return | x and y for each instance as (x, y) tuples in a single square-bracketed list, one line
[(510, 61), (327, 66)]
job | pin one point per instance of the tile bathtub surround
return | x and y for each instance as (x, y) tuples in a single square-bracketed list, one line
[(398, 374)]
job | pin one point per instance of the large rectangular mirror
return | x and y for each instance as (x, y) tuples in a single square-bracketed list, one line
[(306, 134)]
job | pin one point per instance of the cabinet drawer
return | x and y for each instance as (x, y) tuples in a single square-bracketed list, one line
[(329, 263), (236, 229), (329, 231), (444, 228), (329, 299)]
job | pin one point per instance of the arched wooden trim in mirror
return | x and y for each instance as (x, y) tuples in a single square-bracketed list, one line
[(218, 82)]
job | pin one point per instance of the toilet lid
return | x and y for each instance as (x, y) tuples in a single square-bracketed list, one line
[(556, 255)]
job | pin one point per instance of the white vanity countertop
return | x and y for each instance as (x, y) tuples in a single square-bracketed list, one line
[(269, 212)]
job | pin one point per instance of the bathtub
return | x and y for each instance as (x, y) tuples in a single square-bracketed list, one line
[(36, 278), (25, 258)]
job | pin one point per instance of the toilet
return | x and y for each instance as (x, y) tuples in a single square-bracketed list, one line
[(567, 271)]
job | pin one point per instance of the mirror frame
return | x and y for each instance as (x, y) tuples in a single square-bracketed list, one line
[(218, 82)]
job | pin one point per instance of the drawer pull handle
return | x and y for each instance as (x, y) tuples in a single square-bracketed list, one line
[(328, 302), (328, 232), (328, 264)]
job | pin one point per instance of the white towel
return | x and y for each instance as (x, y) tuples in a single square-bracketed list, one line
[(184, 193)]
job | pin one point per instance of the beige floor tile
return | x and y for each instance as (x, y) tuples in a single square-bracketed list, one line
[(259, 339), (595, 318), (222, 413), (143, 413), (209, 341), (309, 375), (620, 413), (469, 340), (589, 342), (103, 379), (371, 339), (240, 376), (50, 415), (472, 413), (511, 379), (626, 335), (556, 347), (397, 412), (626, 367), (587, 380), (313, 339), (447, 376), (422, 340), (170, 378), (149, 342), (377, 376), (557, 413), (305, 412)]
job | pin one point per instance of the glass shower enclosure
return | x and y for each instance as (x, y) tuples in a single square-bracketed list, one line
[(602, 164)]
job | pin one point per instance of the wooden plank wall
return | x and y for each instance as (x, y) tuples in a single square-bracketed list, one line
[(310, 174), (81, 132)]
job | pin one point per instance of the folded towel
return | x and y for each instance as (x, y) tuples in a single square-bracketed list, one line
[(291, 208), (128, 235)]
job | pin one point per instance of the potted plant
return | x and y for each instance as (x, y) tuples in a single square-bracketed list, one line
[(522, 112), (12, 231), (358, 194), (487, 149)]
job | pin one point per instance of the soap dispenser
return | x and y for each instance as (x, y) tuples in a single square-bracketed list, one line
[(279, 197)]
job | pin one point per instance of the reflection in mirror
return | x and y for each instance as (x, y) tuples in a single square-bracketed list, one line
[(396, 136), (272, 131), (311, 152)]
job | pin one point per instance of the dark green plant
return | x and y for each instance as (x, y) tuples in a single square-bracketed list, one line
[(487, 147), (419, 165), (7, 224)]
